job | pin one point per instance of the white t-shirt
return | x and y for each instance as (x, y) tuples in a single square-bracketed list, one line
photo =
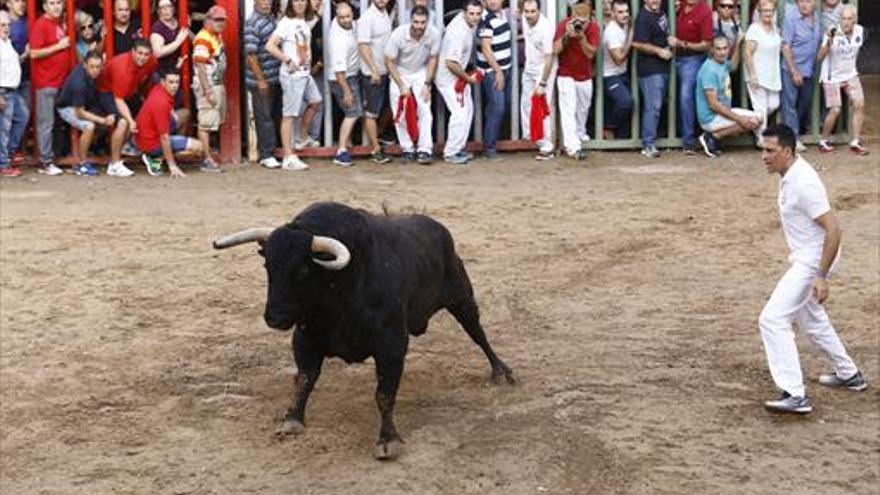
[(410, 55), (767, 56), (374, 28), (538, 44), (802, 199), (296, 37), (839, 65), (614, 37), (344, 55), (457, 45), (10, 75)]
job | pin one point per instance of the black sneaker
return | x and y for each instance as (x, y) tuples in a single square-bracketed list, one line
[(689, 149), (544, 156), (425, 158), (707, 141), (408, 157), (789, 404), (380, 157), (856, 383)]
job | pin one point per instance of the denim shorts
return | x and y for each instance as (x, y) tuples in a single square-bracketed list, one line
[(178, 144), (374, 95), (356, 109), (68, 114)]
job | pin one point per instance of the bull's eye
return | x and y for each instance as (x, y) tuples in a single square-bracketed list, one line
[(261, 252)]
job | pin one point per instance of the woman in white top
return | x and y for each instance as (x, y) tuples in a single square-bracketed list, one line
[(763, 48)]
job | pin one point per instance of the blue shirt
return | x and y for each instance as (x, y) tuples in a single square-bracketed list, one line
[(803, 35), (257, 30), (715, 76), (18, 35)]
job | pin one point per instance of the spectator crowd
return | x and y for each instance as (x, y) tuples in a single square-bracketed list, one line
[(384, 77)]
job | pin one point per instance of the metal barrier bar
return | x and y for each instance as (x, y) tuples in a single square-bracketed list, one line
[(186, 72), (513, 18)]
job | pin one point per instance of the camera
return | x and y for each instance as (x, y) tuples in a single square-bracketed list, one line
[(577, 25), (832, 32)]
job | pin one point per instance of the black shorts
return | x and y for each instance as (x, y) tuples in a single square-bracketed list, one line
[(375, 95), (107, 104)]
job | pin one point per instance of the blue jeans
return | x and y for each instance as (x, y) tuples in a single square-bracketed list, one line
[(796, 103), (653, 89), (686, 69), (618, 105), (6, 125), (21, 115), (494, 109)]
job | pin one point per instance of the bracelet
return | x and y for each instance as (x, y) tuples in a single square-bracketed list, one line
[(543, 84)]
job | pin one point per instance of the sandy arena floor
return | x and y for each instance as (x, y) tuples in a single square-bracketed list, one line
[(623, 292)]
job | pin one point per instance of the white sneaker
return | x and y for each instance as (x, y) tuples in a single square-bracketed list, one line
[(308, 143), (118, 169), (50, 169), (270, 162), (293, 162)]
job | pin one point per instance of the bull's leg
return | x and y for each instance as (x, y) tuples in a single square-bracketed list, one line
[(308, 362), (389, 369), (468, 315)]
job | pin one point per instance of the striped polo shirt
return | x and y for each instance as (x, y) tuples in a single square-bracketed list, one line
[(257, 30), (495, 26)]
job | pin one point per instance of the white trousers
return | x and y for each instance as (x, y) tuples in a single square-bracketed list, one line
[(764, 102), (793, 302), (529, 83), (461, 115), (426, 118), (574, 106)]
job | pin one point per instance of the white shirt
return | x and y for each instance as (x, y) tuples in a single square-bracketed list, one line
[(767, 56), (296, 36), (411, 56), (614, 37), (457, 45), (538, 44), (10, 74), (374, 28), (839, 65), (802, 199), (343, 50)]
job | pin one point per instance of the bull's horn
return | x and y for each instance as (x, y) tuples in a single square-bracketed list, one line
[(332, 246), (259, 234)]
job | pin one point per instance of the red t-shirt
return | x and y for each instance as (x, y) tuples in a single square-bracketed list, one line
[(154, 119), (694, 26), (49, 72), (573, 62), (122, 77)]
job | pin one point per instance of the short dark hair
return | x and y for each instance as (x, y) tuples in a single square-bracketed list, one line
[(141, 43), (537, 2), (474, 3), (94, 54), (783, 134), (625, 3), (420, 10), (168, 71)]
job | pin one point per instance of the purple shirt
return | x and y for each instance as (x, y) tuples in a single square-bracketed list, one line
[(169, 35)]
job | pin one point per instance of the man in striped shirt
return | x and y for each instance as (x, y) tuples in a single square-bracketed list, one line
[(493, 59), (261, 78)]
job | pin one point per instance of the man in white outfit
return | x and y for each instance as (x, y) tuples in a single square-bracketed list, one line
[(455, 53), (411, 58), (539, 72), (813, 237)]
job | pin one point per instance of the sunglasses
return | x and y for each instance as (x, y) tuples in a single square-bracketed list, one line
[(86, 26), (726, 6)]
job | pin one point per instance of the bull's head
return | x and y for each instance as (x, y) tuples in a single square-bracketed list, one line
[(290, 260)]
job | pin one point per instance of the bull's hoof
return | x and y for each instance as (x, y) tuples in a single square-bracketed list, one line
[(505, 374), (388, 450), (290, 427)]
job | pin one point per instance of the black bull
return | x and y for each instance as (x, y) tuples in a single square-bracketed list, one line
[(357, 285)]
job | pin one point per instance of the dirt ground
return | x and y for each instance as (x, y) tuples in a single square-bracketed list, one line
[(624, 293)]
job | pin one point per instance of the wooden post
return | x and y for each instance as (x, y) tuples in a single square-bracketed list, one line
[(230, 132)]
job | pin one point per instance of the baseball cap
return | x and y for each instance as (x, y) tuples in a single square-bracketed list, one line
[(216, 12)]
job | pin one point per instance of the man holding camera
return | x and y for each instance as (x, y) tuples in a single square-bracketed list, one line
[(576, 42), (840, 49)]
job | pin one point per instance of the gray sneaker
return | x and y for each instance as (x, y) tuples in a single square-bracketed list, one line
[(650, 152), (789, 404), (856, 383), (457, 159)]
